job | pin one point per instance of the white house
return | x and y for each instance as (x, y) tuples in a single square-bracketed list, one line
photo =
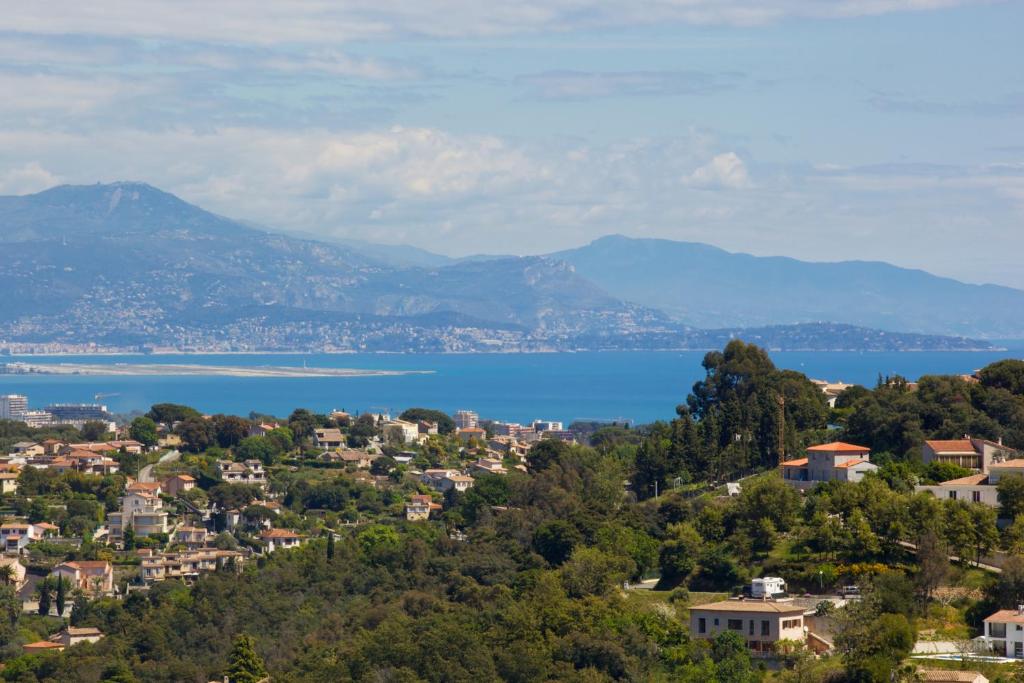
[(836, 461), (969, 452), (1004, 632), (976, 488), (276, 539), (760, 623), (141, 510)]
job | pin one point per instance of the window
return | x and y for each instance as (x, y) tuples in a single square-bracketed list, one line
[(716, 621), (790, 623), (952, 495), (1018, 650), (766, 627), (750, 631), (997, 630), (976, 496), (702, 625), (734, 624)]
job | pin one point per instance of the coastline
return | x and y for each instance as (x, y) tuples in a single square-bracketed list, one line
[(184, 370)]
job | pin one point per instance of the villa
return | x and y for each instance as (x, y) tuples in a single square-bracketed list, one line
[(836, 461)]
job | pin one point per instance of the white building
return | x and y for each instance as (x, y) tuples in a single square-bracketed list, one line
[(976, 488), (248, 472), (464, 419), (1004, 632), (836, 461), (13, 407), (401, 432), (969, 452), (760, 623), (141, 510)]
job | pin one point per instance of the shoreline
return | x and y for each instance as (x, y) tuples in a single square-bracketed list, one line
[(184, 370), (164, 354)]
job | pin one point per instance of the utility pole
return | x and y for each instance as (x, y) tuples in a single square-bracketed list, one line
[(781, 401)]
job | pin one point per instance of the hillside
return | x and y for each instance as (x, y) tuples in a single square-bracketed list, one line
[(128, 264), (707, 287)]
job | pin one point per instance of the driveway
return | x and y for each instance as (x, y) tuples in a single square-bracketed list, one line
[(146, 473)]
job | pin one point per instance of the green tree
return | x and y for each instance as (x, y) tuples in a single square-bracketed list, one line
[(229, 430), (244, 664), (94, 430), (590, 571), (143, 430), (679, 553), (257, 448), (330, 545), (44, 597), (196, 434), (555, 540), (445, 424), (1010, 491), (169, 413), (61, 595), (128, 537)]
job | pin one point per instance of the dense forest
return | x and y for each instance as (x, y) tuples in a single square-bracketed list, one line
[(525, 577)]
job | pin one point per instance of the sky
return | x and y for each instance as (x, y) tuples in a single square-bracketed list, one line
[(821, 129)]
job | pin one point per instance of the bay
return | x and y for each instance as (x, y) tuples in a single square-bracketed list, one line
[(641, 386)]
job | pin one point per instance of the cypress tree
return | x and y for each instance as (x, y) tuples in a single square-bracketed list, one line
[(44, 599), (60, 596), (330, 545)]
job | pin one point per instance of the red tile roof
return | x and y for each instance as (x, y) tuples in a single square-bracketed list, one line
[(799, 462), (951, 446), (839, 447)]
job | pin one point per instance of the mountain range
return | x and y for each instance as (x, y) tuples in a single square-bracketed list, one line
[(126, 265)]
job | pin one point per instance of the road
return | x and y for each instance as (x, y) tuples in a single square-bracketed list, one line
[(988, 564), (146, 473)]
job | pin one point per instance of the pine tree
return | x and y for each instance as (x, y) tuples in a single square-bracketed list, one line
[(61, 596), (245, 666), (79, 607), (129, 538)]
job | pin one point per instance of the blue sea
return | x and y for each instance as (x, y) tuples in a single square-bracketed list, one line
[(640, 386)]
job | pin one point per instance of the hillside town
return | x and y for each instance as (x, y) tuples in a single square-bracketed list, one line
[(785, 559)]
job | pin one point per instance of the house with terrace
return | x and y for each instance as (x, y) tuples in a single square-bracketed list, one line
[(977, 488), (969, 452)]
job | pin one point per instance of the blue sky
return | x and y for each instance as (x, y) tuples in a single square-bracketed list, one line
[(822, 129)]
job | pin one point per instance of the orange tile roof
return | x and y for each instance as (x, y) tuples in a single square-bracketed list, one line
[(972, 480), (951, 446), (279, 533), (1017, 462), (1006, 616), (42, 645), (759, 606), (851, 463), (799, 462), (839, 447)]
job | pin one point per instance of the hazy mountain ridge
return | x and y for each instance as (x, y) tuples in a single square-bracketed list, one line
[(705, 286), (127, 259), (128, 264)]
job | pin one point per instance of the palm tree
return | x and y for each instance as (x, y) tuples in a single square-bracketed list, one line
[(8, 577)]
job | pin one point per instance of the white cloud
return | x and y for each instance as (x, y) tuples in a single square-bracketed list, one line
[(723, 171), (471, 193), (31, 177), (316, 21)]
